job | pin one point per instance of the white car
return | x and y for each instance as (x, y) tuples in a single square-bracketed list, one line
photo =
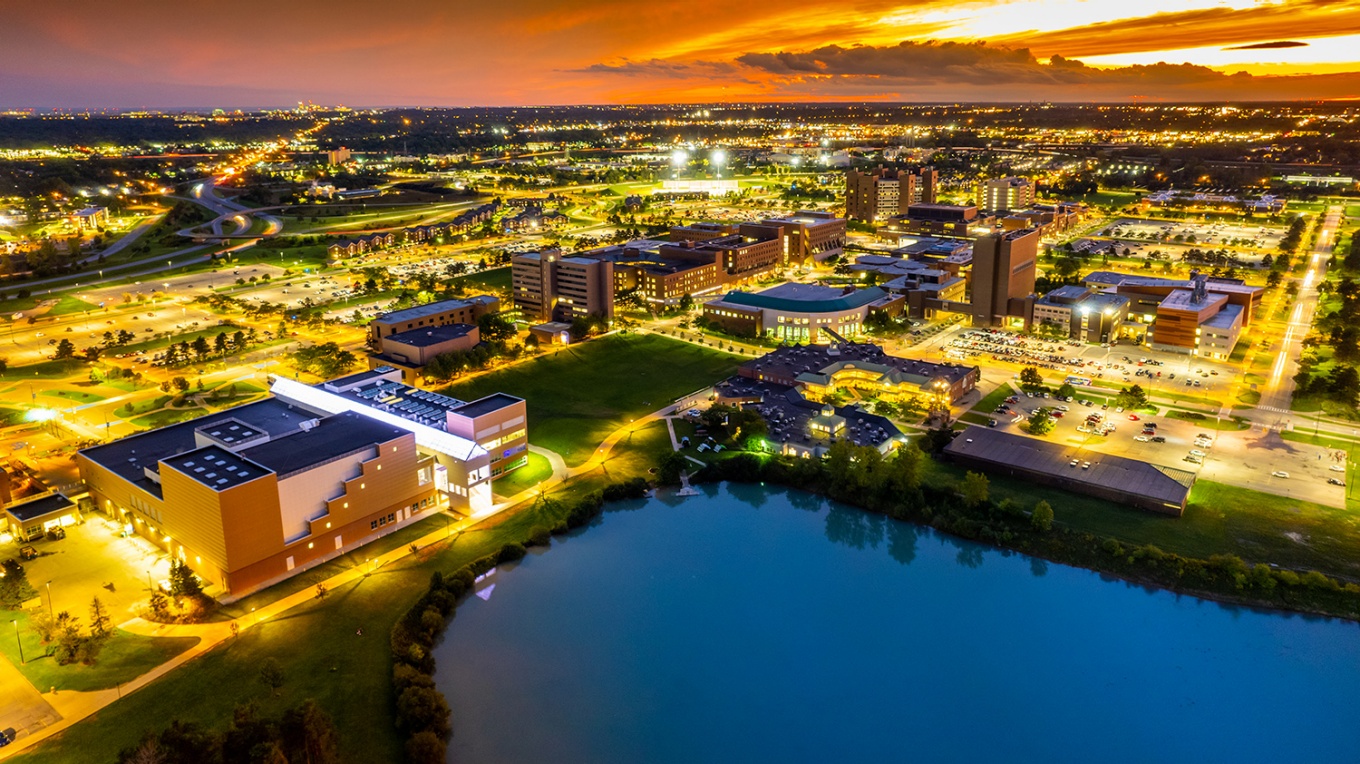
[(1337, 468), (1141, 438), (1197, 452), (1280, 474)]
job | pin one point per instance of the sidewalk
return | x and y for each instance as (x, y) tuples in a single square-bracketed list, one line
[(75, 706)]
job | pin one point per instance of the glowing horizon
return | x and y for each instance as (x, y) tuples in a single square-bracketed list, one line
[(146, 53)]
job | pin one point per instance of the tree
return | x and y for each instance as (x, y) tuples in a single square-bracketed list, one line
[(1067, 391), (1041, 422), (1132, 397), (686, 303), (904, 468), (65, 349), (974, 488), (183, 582), (99, 619), (14, 588), (671, 466), (309, 735), (271, 674), (1031, 379), (1042, 517), (495, 328), (423, 708), (425, 747), (181, 384)]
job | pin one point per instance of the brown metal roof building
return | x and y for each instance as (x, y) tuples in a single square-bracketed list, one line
[(1114, 478)]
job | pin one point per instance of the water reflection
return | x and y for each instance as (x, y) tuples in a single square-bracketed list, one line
[(1038, 567), (902, 542), (853, 527)]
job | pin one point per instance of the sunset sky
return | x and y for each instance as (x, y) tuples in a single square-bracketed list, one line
[(161, 54)]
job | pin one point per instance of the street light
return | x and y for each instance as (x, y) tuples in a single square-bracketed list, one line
[(15, 623), (49, 600)]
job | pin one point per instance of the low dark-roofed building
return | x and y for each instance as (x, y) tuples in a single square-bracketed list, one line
[(799, 427), (31, 517), (1115, 478), (865, 365), (330, 438)]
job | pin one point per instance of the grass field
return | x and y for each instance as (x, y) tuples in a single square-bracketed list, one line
[(125, 657), (496, 280), (42, 370), (317, 644), (537, 470), (73, 395), (1219, 519), (581, 394)]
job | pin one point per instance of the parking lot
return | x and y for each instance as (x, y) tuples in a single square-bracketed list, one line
[(1255, 459), (1266, 238), (93, 561)]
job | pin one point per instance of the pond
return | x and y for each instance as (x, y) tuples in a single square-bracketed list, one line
[(761, 624)]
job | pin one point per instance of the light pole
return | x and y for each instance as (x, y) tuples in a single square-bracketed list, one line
[(15, 623), (49, 600)]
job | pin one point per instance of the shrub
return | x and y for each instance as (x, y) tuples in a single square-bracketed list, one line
[(423, 709), (425, 747)]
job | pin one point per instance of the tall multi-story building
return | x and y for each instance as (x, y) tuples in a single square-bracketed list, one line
[(1005, 194), (1003, 275), (548, 286), (809, 235), (253, 495), (884, 192)]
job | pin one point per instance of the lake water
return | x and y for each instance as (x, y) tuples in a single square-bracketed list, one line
[(763, 625)]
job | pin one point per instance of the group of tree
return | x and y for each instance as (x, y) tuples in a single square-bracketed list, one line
[(741, 426), (64, 639), (303, 734), (326, 360), (589, 325), (185, 601), (1338, 329), (202, 349), (1031, 380)]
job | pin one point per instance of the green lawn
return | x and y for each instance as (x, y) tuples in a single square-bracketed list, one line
[(581, 394), (1208, 422), (125, 657), (528, 476), (1219, 519), (495, 280), (73, 395), (169, 416), (322, 655), (42, 370), (993, 399)]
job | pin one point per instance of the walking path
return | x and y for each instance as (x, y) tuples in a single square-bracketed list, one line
[(72, 706)]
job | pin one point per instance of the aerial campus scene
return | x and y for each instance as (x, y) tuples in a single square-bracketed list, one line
[(565, 382)]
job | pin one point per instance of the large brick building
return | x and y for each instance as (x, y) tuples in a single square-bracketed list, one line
[(255, 494)]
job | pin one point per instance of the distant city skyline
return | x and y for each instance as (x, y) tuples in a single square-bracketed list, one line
[(155, 54)]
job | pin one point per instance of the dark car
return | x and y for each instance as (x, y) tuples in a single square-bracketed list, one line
[(991, 422), (57, 533), (28, 553), (1159, 439), (1335, 481), (7, 736)]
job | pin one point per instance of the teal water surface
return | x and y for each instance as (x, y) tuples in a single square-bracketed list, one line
[(762, 625)]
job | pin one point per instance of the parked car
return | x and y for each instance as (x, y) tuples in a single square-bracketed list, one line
[(1280, 474), (57, 533), (1158, 439), (1335, 481), (7, 736), (1337, 468), (1142, 438), (28, 553)]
